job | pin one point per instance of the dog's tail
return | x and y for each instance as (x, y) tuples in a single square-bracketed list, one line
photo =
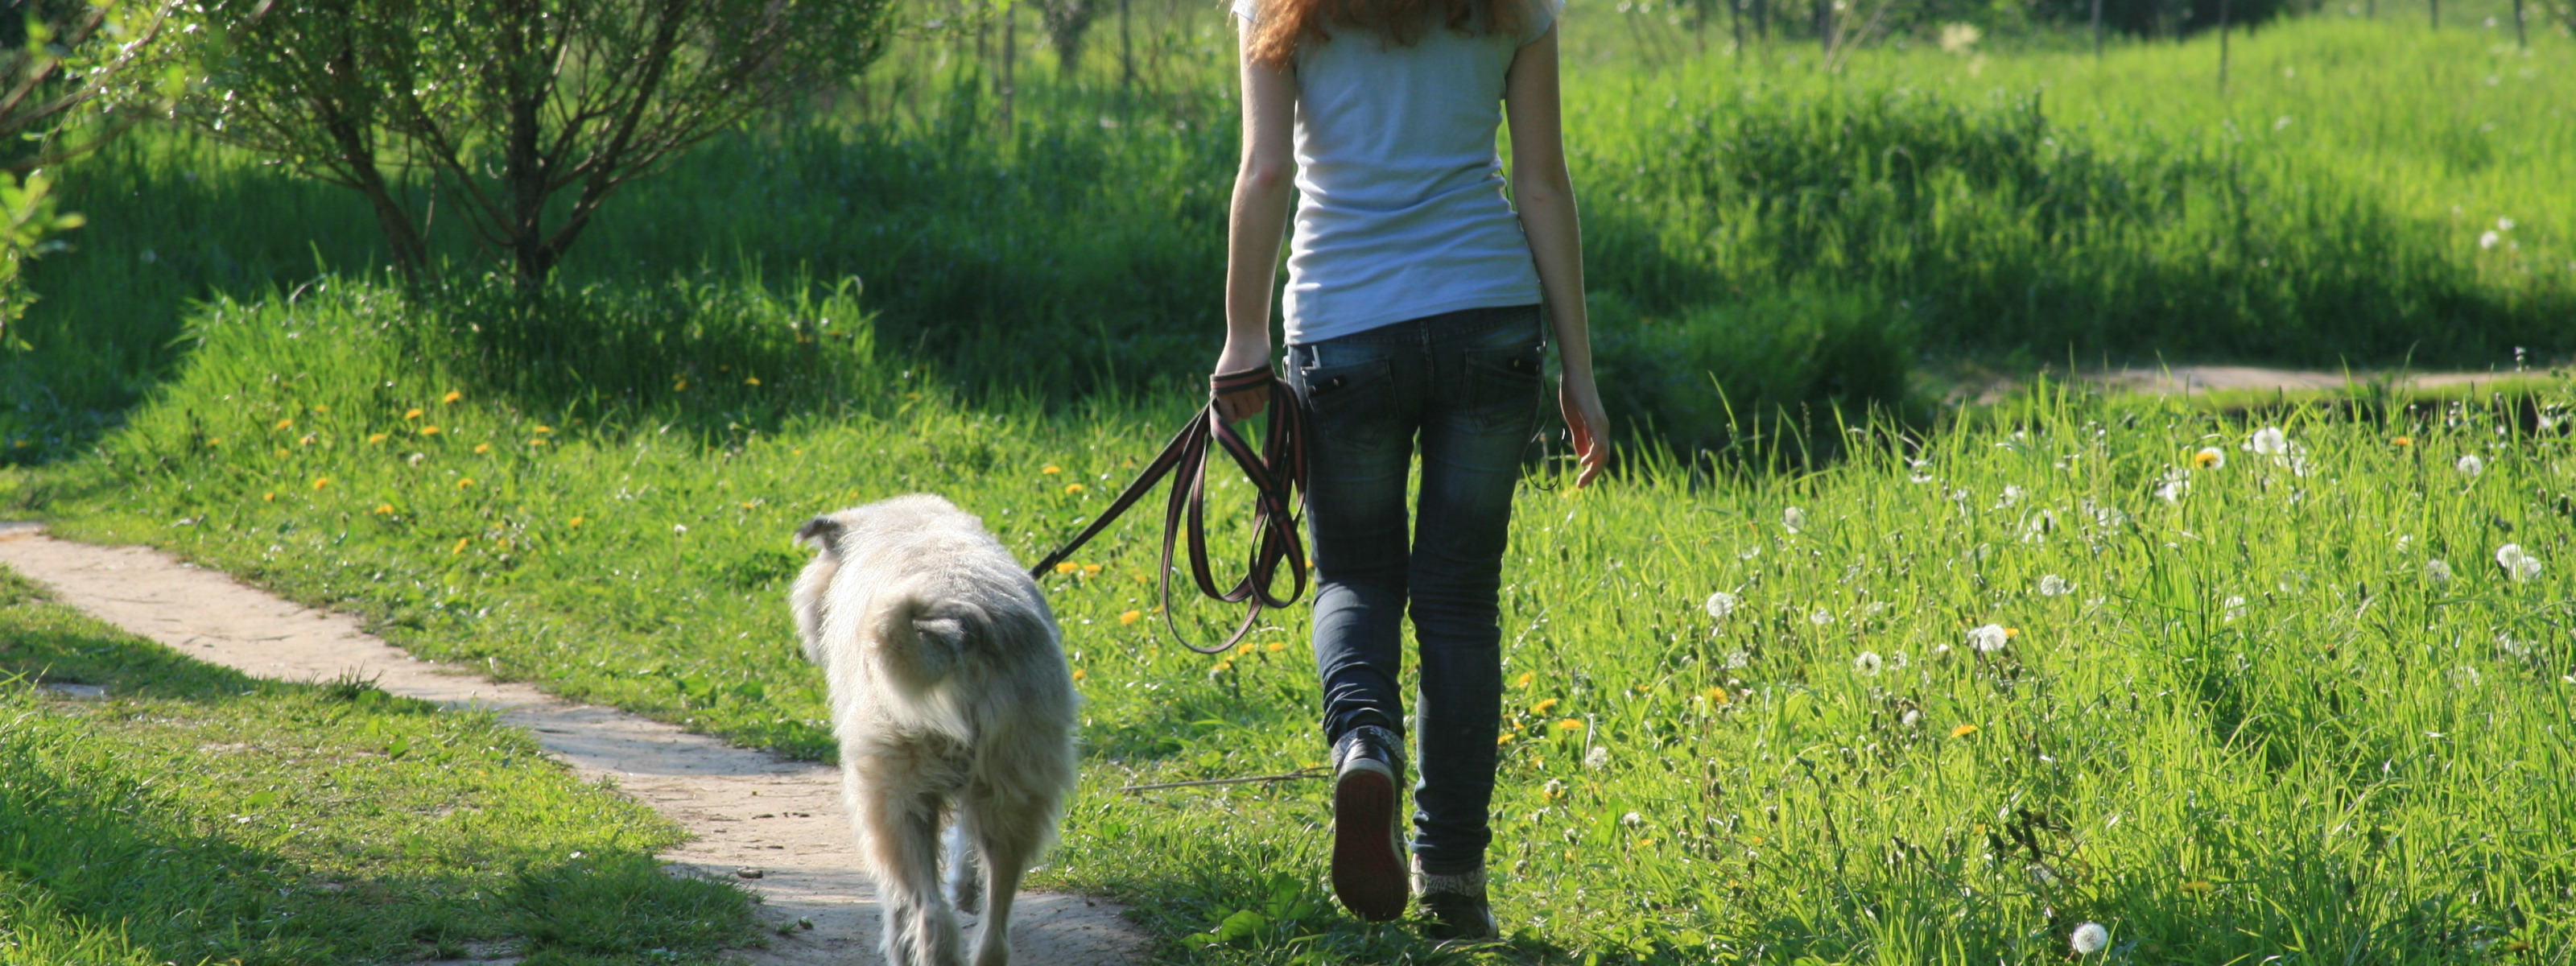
[(923, 636)]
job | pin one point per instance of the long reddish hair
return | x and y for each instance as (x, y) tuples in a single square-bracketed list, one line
[(1285, 23)]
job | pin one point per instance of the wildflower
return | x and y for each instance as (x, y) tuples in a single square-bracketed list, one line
[(465, 482), (681, 385), (451, 397), (2011, 495), (1716, 696), (1721, 604), (268, 497), (1067, 567), (1130, 617), (1524, 680), (1222, 666), (1820, 618), (411, 414), (2173, 487), (679, 529), (574, 523), (1913, 718), (2518, 565), (374, 438), (1276, 647), (2269, 441), (1987, 638), (416, 459), (281, 451), (2489, 240), (1570, 724), (1246, 647), (1079, 674), (2403, 441), (751, 380), (2052, 585), (321, 409), (1503, 739), (1543, 706), (2437, 571), (2234, 607), (284, 423), (2470, 466), (1963, 731), (460, 546), (217, 441), (536, 442), (1737, 658), (545, 429), (1596, 759), (1090, 570), (384, 509), (1867, 664), (482, 447), (1793, 518), (1959, 38), (1633, 821), (321, 482), (2089, 938), (2504, 224), (2209, 458), (2195, 887), (429, 430), (1554, 789), (1051, 469)]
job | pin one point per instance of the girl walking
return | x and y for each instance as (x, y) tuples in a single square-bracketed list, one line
[(1413, 324)]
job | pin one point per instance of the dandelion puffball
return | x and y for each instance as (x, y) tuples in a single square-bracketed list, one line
[(2518, 565), (1721, 604), (2438, 571), (1596, 759), (1867, 664), (2470, 466), (1793, 518), (1821, 617), (2235, 608), (2052, 585), (2090, 938), (2269, 441), (2489, 240), (1988, 638), (1633, 821)]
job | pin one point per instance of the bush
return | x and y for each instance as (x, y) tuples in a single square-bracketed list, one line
[(1753, 376)]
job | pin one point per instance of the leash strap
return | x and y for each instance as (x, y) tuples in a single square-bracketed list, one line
[(1278, 476)]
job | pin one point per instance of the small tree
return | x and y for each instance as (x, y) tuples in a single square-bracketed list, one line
[(523, 115), (1066, 22)]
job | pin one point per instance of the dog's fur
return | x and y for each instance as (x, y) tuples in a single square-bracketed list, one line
[(951, 699)]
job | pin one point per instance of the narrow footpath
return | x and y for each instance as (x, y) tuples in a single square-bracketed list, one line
[(773, 825)]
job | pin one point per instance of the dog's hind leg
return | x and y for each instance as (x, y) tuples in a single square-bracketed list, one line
[(965, 871), (1009, 830), (900, 831)]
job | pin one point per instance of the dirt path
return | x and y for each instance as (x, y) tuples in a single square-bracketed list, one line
[(754, 814), (2191, 379)]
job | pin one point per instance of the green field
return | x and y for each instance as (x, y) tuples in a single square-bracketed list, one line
[(2290, 699), (192, 814)]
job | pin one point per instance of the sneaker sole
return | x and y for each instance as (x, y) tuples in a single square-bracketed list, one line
[(1368, 870)]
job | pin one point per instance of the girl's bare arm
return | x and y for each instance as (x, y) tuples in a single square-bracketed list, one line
[(1545, 195), (1262, 187)]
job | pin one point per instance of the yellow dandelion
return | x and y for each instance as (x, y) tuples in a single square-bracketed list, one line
[(384, 509), (1641, 689), (1543, 706), (460, 546), (429, 430), (466, 482), (321, 409), (536, 442), (1503, 739), (681, 385), (306, 441), (284, 423), (321, 482), (1130, 617), (751, 381), (1050, 469), (1963, 731), (2207, 458), (1524, 680), (412, 414), (281, 451), (1645, 843), (542, 428), (1067, 567), (2196, 887), (1224, 666), (1717, 696), (1073, 487), (2012, 632), (1246, 647), (1570, 724), (268, 497), (1090, 569), (482, 447), (1277, 646), (2403, 441), (374, 438), (451, 397), (746, 504), (1079, 675), (1141, 578), (217, 441), (574, 523)]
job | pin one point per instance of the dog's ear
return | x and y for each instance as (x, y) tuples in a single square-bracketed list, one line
[(820, 533)]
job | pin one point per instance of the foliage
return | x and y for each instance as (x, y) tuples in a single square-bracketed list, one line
[(197, 815), (2228, 705), (507, 104)]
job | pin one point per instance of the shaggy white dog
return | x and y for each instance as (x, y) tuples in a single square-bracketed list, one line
[(951, 700)]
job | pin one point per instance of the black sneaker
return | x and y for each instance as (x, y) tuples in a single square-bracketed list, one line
[(1456, 907), (1368, 841)]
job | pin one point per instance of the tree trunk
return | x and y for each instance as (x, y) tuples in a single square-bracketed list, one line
[(2222, 46), (2097, 29)]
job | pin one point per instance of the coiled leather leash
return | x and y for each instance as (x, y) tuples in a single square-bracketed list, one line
[(1278, 476)]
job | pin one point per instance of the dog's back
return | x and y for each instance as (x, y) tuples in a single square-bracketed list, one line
[(947, 679)]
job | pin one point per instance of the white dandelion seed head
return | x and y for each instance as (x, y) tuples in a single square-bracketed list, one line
[(2269, 441), (2404, 541), (1912, 718), (2090, 938), (1737, 659), (2504, 224), (1554, 788), (2470, 466), (2518, 565), (416, 459), (1598, 758), (1793, 518), (2235, 608), (1940, 652), (1721, 604), (2489, 240), (679, 528), (1988, 638), (1821, 617), (2174, 486), (1899, 661), (1633, 821), (2514, 648), (1867, 664), (2438, 571), (2052, 585), (2011, 495), (1749, 553)]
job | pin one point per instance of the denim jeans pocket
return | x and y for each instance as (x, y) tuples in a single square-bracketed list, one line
[(1349, 403), (1503, 386)]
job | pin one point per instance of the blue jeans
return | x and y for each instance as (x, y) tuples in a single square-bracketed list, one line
[(1466, 385)]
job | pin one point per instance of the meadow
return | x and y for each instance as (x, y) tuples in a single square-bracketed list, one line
[(2287, 680)]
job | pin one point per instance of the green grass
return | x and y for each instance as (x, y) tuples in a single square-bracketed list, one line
[(197, 815), (2256, 725)]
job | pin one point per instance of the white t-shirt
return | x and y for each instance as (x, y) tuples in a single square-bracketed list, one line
[(1400, 206)]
